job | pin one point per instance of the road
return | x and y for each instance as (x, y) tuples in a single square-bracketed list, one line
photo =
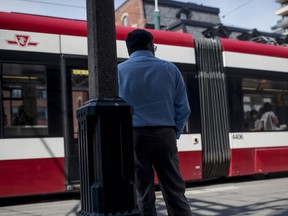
[(236, 196)]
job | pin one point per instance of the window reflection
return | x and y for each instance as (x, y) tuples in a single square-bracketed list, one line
[(258, 104), (24, 100)]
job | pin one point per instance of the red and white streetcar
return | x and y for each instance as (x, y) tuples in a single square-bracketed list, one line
[(44, 80)]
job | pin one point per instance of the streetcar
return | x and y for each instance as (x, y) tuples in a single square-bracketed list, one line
[(44, 80)]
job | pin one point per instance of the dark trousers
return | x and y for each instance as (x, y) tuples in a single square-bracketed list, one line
[(156, 147)]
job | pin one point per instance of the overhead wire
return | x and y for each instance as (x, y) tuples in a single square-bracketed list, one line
[(83, 7), (237, 8), (131, 13), (54, 4)]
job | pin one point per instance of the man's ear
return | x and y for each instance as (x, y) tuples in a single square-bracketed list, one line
[(150, 47)]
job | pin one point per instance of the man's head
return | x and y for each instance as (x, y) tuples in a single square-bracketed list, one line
[(139, 39)]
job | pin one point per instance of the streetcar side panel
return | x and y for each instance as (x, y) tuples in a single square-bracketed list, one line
[(256, 74)]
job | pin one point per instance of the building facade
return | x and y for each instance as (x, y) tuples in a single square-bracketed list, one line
[(173, 15), (282, 25)]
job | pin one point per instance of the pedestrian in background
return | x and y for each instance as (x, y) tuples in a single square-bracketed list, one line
[(156, 91)]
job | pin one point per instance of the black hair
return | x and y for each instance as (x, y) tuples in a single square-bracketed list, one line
[(138, 40), (267, 107), (253, 112)]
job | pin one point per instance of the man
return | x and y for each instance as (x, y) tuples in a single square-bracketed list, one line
[(156, 91)]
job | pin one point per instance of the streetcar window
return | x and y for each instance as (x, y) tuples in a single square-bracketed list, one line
[(24, 100), (41, 93), (249, 98), (16, 93)]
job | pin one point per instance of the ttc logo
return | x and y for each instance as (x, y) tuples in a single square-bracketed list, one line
[(22, 40)]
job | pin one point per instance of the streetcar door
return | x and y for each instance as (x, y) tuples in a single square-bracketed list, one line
[(75, 84)]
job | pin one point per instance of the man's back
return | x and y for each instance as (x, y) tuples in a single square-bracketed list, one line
[(153, 87), (150, 88)]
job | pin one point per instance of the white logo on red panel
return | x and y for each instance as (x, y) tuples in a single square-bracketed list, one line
[(22, 40)]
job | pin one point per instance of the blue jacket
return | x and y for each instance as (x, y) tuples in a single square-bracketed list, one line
[(156, 91)]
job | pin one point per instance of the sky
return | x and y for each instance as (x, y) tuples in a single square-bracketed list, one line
[(249, 14)]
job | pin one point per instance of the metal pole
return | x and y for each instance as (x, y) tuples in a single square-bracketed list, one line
[(102, 59), (157, 16)]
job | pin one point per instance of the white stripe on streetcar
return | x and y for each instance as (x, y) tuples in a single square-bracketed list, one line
[(257, 62), (31, 148)]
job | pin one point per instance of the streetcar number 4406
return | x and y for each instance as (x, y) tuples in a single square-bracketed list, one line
[(237, 136)]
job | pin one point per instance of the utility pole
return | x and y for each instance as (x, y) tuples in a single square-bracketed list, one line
[(156, 16), (102, 59), (106, 159)]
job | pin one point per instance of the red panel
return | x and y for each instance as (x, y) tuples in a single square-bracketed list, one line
[(191, 165), (34, 23), (31, 176), (53, 25), (271, 160), (254, 48), (162, 37), (242, 162)]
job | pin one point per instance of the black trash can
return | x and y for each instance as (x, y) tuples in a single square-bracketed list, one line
[(107, 182)]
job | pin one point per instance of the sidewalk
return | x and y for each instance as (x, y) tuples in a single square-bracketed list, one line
[(267, 197)]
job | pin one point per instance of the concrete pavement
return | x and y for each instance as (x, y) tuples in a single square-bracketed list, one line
[(264, 197)]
